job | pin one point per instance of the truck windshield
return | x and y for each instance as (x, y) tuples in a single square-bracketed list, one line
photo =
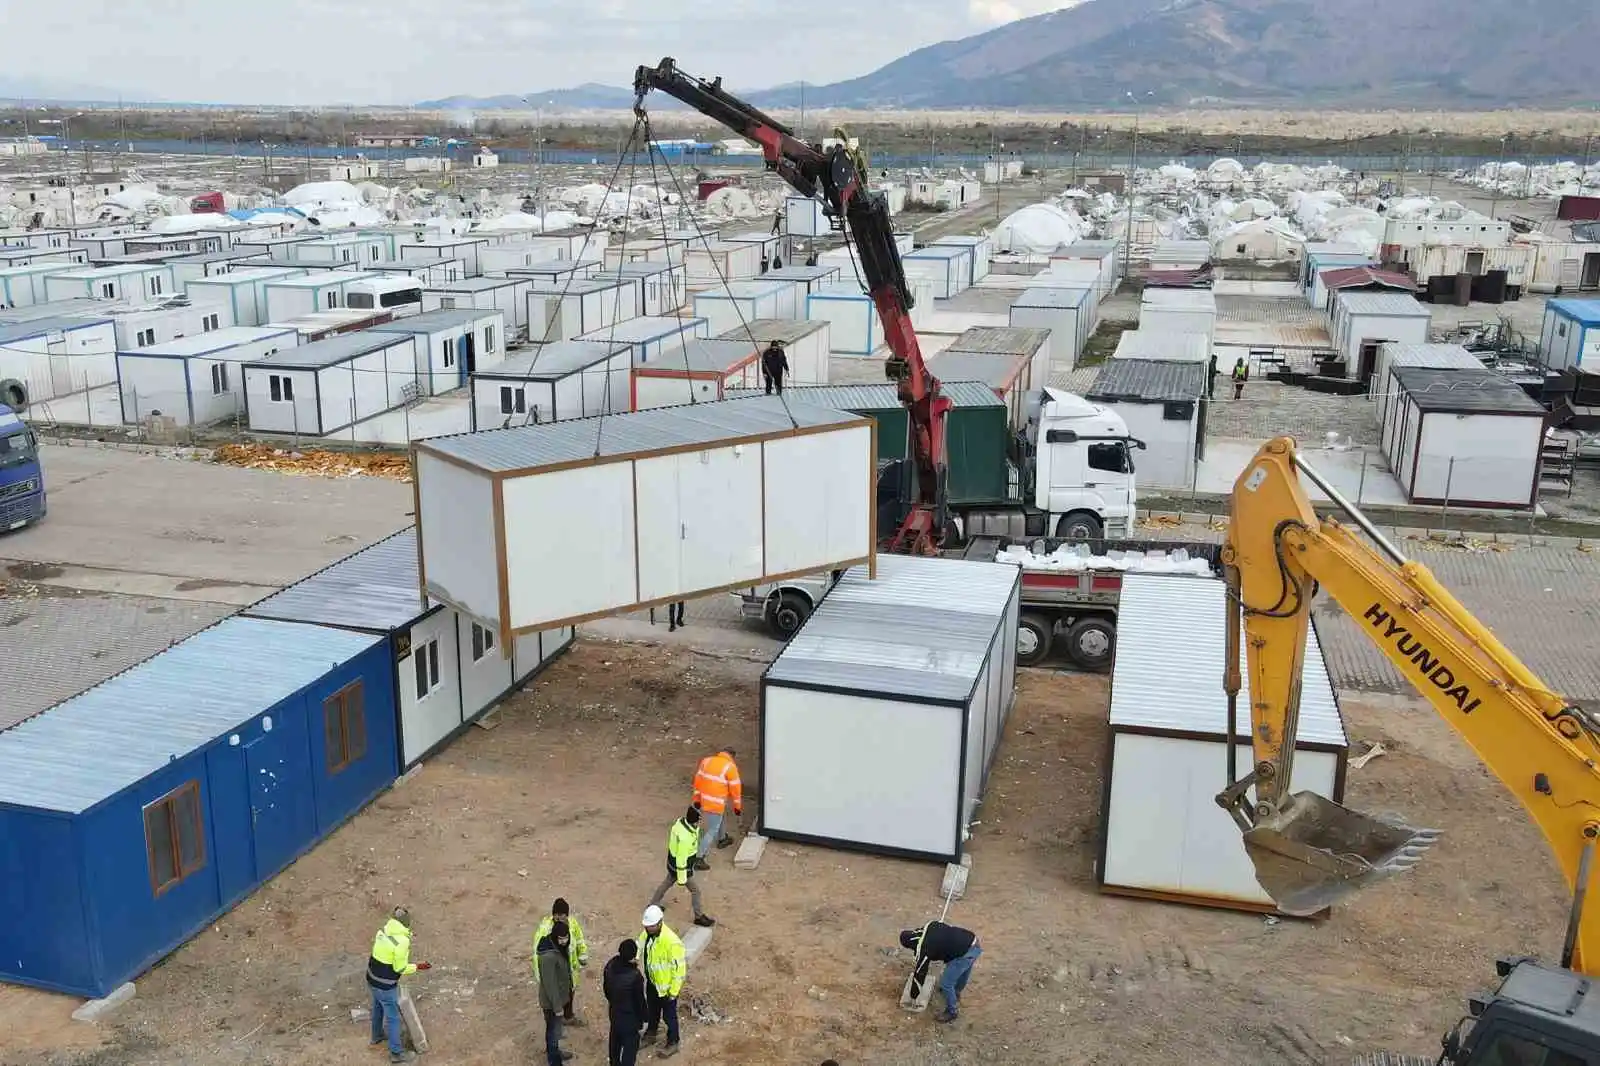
[(17, 449)]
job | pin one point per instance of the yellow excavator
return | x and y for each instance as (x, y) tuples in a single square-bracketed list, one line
[(1307, 850)]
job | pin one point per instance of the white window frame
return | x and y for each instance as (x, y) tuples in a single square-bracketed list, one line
[(488, 339), (425, 668), (513, 400), (219, 378), (280, 388), (482, 642), (449, 352)]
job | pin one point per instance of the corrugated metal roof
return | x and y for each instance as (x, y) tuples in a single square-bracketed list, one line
[(437, 321), (642, 328), (215, 340), (922, 629), (1585, 311), (1168, 668), (99, 742), (530, 447), (476, 284), (20, 331), (996, 371), (1148, 379), (376, 589), (709, 356), (73, 308), (1001, 340), (742, 290), (938, 251), (1382, 304), (875, 397), (1180, 300), (648, 268), (1086, 250), (802, 273), (1051, 296), (1349, 277), (766, 330), (1432, 356), (1169, 347), (1464, 391), (557, 359), (331, 351)]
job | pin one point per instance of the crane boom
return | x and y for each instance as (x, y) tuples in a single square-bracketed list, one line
[(838, 178), (1307, 850)]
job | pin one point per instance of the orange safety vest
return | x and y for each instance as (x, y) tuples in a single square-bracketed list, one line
[(715, 782)]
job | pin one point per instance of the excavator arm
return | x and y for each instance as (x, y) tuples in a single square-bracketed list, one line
[(838, 177), (1307, 850)]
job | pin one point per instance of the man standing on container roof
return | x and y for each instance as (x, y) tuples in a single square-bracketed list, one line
[(716, 784), (390, 961), (774, 364), (683, 846)]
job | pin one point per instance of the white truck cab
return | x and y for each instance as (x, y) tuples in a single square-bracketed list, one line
[(1083, 462)]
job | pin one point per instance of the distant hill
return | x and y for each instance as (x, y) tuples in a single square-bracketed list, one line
[(587, 97), (49, 90)]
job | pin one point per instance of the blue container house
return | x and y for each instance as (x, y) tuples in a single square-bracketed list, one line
[(135, 813), (1570, 337)]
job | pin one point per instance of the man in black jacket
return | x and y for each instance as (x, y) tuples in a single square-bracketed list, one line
[(624, 988), (952, 945), (774, 364)]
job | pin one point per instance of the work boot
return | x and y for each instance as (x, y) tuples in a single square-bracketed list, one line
[(704, 920), (725, 842), (668, 1051), (701, 864), (574, 1022), (945, 1016), (649, 1038), (403, 1056)]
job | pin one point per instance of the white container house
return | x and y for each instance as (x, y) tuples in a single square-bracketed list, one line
[(242, 291), (556, 271), (509, 296), (32, 256), (322, 291), (947, 268), (803, 217), (1360, 322), (1565, 266), (1032, 345), (982, 248), (719, 263), (768, 242), (436, 271), (359, 250), (1069, 315), (1180, 255), (177, 243), (810, 279), (662, 286), (127, 282), (1467, 438), (854, 327), (1162, 834), (1179, 311), (463, 249), (646, 250), (449, 670), (805, 345), (23, 286), (195, 380), (725, 306), (701, 370), (141, 326), (651, 339), (673, 503), (208, 264), (1430, 356), (56, 356), (498, 258), (896, 692), (452, 345), (552, 383), (331, 384), (1071, 274), (1107, 255), (564, 310), (1162, 403)]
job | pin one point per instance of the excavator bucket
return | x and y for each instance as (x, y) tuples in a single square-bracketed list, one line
[(1314, 852)]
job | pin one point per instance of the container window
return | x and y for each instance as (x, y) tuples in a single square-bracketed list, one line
[(482, 642), (280, 388), (513, 401), (425, 658), (108, 291), (174, 836), (450, 351), (488, 338), (344, 723), (219, 378), (210, 323), (155, 286)]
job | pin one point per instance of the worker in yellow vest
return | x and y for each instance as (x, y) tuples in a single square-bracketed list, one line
[(665, 969), (577, 951), (716, 785), (683, 844), (390, 961)]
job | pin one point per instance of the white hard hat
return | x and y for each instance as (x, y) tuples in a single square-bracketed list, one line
[(653, 915)]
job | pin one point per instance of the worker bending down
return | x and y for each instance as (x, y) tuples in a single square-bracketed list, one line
[(683, 846), (774, 364), (952, 945), (716, 785), (390, 961), (666, 967)]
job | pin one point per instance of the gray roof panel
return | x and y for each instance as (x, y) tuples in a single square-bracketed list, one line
[(557, 359), (1432, 356), (578, 286), (996, 371), (1051, 297), (475, 284), (802, 273), (38, 327), (875, 397), (436, 321), (1000, 340), (377, 590), (1383, 304), (921, 631), (331, 351), (766, 330), (1477, 391), (1148, 380), (532, 447), (707, 356), (1172, 347), (642, 328)]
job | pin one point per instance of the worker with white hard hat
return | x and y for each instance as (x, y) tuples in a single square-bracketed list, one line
[(665, 968)]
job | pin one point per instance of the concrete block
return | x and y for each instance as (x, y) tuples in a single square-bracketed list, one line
[(695, 941), (408, 1014), (954, 885), (748, 857), (489, 721), (95, 1009), (915, 998)]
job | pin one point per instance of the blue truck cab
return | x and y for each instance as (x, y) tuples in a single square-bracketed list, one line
[(21, 477)]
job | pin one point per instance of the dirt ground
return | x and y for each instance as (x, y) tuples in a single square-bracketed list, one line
[(572, 795)]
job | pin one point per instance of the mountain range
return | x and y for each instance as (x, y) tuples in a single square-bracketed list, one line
[(1389, 53)]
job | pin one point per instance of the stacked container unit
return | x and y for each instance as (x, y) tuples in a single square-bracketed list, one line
[(564, 310), (1430, 356), (1570, 336), (196, 380), (149, 805), (1361, 322), (1007, 377), (672, 503), (718, 263), (662, 286), (1071, 274), (980, 247), (805, 345), (947, 268), (509, 296), (112, 283), (1179, 311), (329, 385), (701, 370), (803, 217), (650, 339), (1011, 342), (1467, 438), (726, 306), (1162, 834), (140, 327), (463, 249), (1108, 254), (244, 291), (1068, 314), (322, 291), (452, 345), (895, 692), (854, 327), (449, 671), (552, 383), (23, 286)]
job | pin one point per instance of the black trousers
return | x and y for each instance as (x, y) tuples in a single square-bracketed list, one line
[(675, 613), (773, 381), (623, 1047)]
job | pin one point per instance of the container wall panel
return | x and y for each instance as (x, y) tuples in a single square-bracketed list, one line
[(820, 493), (430, 712), (39, 878), (458, 535), (583, 563), (699, 520)]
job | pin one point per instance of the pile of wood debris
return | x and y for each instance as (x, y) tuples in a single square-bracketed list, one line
[(317, 462)]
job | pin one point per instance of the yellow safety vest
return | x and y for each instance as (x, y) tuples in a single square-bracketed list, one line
[(391, 948), (664, 961), (577, 946)]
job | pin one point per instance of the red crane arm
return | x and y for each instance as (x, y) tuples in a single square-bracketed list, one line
[(833, 177)]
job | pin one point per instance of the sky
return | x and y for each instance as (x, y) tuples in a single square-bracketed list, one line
[(402, 51)]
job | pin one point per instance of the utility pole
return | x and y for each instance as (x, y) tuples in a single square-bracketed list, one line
[(1499, 170), (1583, 175), (1133, 165)]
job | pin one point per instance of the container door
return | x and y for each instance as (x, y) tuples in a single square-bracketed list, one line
[(1591, 271), (469, 355), (282, 814)]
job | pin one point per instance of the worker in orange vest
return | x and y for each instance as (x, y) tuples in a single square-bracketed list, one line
[(716, 784)]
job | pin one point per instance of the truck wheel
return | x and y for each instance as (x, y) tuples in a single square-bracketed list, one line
[(787, 615), (1091, 642), (1034, 634), (14, 394), (1079, 525)]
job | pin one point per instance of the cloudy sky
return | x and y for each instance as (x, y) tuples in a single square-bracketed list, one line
[(401, 51)]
